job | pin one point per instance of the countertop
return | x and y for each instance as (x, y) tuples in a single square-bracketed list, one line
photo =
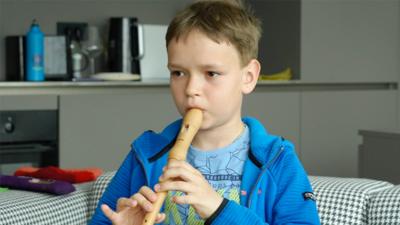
[(383, 133), (70, 87)]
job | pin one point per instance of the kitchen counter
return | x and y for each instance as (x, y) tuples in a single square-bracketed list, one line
[(93, 87)]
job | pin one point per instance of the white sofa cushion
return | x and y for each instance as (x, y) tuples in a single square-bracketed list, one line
[(385, 207), (344, 201)]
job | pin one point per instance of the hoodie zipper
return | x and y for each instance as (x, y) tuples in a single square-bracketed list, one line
[(262, 173)]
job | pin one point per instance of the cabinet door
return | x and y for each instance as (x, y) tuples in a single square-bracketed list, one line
[(27, 102), (97, 130), (330, 121), (277, 110), (349, 41)]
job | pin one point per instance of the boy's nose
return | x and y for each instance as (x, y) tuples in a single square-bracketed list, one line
[(193, 86)]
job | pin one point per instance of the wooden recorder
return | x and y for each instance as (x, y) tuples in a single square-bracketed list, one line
[(190, 125)]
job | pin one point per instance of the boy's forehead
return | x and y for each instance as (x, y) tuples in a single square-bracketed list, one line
[(184, 40), (195, 33)]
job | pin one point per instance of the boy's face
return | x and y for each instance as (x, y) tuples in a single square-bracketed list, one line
[(209, 76)]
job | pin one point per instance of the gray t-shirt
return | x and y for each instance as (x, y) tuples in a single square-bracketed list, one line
[(222, 168)]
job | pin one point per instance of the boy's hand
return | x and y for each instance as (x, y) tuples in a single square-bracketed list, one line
[(132, 210), (181, 176)]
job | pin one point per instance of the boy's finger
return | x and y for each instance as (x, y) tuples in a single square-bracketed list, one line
[(143, 202), (183, 164), (126, 202), (177, 172), (148, 193), (160, 217), (109, 212), (182, 186), (185, 199)]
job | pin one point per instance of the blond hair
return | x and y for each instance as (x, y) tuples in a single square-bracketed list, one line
[(219, 20)]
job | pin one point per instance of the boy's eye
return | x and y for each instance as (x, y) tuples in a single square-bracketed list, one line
[(213, 74), (177, 73)]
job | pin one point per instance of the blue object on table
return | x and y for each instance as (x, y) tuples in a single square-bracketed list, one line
[(35, 53)]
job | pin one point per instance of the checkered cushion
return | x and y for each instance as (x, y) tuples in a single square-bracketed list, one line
[(26, 208), (385, 207), (97, 191), (340, 201), (344, 200)]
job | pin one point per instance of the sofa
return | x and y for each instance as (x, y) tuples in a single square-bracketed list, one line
[(342, 201)]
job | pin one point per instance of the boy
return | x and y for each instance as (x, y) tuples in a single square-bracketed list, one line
[(235, 172)]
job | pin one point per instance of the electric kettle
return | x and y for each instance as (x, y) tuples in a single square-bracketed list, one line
[(125, 45)]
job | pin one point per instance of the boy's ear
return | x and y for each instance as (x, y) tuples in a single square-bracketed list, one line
[(250, 76)]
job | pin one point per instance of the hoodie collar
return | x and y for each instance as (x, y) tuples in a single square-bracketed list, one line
[(151, 145), (263, 146)]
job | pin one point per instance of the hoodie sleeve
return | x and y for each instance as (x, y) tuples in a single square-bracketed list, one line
[(231, 213), (117, 188), (293, 200)]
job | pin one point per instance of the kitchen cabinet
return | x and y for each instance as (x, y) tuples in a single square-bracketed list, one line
[(98, 121), (97, 130), (330, 121), (27, 102)]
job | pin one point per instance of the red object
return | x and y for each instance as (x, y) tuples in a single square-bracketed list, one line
[(55, 173)]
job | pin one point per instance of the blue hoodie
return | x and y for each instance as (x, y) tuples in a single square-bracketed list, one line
[(274, 189)]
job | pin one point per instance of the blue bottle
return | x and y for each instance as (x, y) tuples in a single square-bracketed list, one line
[(34, 53)]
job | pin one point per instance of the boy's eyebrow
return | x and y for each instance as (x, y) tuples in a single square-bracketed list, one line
[(211, 65), (204, 66), (169, 65)]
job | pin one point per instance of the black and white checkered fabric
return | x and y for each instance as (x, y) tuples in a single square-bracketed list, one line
[(344, 201), (26, 208), (385, 207), (97, 191), (341, 201)]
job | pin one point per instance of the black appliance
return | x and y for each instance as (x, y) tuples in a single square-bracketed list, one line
[(15, 58), (28, 138), (125, 45)]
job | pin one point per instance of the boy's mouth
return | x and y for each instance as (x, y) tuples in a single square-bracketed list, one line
[(193, 107)]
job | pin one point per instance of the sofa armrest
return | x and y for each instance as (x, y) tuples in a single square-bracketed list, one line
[(385, 207), (345, 200)]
